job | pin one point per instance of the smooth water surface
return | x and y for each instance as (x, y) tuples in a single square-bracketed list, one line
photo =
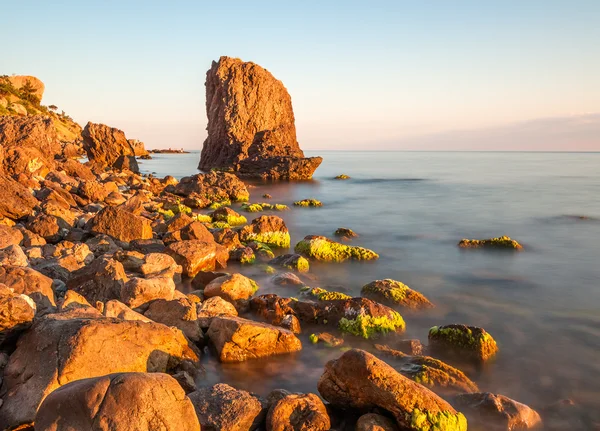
[(542, 305)]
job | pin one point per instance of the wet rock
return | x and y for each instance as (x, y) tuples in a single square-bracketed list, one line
[(224, 408), (243, 255), (29, 282), (139, 291), (195, 256), (61, 348), (411, 347), (234, 288), (326, 250), (486, 411), (251, 127), (432, 373), (238, 339), (286, 279), (186, 381), (213, 187), (16, 314), (298, 412), (342, 177), (345, 233), (101, 280), (117, 309), (124, 401), (180, 313), (10, 236), (392, 292), (13, 256), (328, 339), (308, 203), (566, 415), (375, 422), (105, 145), (121, 225), (212, 307), (469, 343), (270, 230), (290, 322), (358, 380), (16, 201), (502, 242), (293, 262)]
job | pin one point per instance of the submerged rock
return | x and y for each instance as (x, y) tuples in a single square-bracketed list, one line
[(502, 242), (301, 412), (342, 177), (345, 233), (238, 340), (375, 422), (308, 203), (328, 339), (464, 342), (392, 292), (123, 401), (326, 250), (486, 411), (251, 126), (294, 262), (270, 230), (358, 380)]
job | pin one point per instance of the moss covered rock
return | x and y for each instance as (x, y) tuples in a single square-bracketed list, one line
[(270, 230), (342, 177), (294, 262), (229, 216), (259, 207), (462, 342), (502, 242), (392, 292), (359, 380), (326, 250), (308, 203)]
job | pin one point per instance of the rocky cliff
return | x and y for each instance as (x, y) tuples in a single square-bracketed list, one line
[(251, 125)]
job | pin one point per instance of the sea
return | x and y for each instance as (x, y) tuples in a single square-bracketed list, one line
[(542, 305)]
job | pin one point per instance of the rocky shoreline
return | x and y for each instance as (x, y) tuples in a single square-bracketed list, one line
[(95, 332)]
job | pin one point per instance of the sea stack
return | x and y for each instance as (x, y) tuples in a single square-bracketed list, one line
[(251, 127)]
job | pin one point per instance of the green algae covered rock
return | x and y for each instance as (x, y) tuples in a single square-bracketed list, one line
[(270, 230), (342, 177), (308, 203), (324, 295), (293, 262), (359, 380), (220, 204), (203, 218), (252, 208), (368, 327), (243, 255), (502, 242), (326, 250), (463, 342), (229, 216), (259, 207), (392, 292)]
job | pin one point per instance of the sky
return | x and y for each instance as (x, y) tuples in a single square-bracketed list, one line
[(389, 75)]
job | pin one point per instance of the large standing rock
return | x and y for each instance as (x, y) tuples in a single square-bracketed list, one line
[(238, 339), (121, 224), (138, 148), (359, 380), (492, 412), (16, 201), (61, 348), (251, 126), (104, 146), (224, 408), (298, 412), (123, 401)]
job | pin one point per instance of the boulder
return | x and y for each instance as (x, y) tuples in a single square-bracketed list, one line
[(121, 225), (27, 161), (229, 216), (294, 262), (139, 291), (16, 201), (499, 243), (326, 250), (298, 412), (213, 307), (234, 288), (16, 314), (228, 238), (214, 187), (49, 227), (375, 422), (115, 308), (35, 85), (270, 230), (358, 380), (195, 256), (462, 342), (30, 282), (251, 126), (395, 293), (61, 348), (486, 411), (238, 340), (101, 280), (224, 408), (159, 264), (180, 313), (123, 401), (104, 145)]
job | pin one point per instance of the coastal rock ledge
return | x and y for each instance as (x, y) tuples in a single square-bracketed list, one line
[(251, 126)]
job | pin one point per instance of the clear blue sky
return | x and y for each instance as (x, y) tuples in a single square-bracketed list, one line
[(380, 74)]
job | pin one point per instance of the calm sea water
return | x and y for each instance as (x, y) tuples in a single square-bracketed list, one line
[(542, 305)]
